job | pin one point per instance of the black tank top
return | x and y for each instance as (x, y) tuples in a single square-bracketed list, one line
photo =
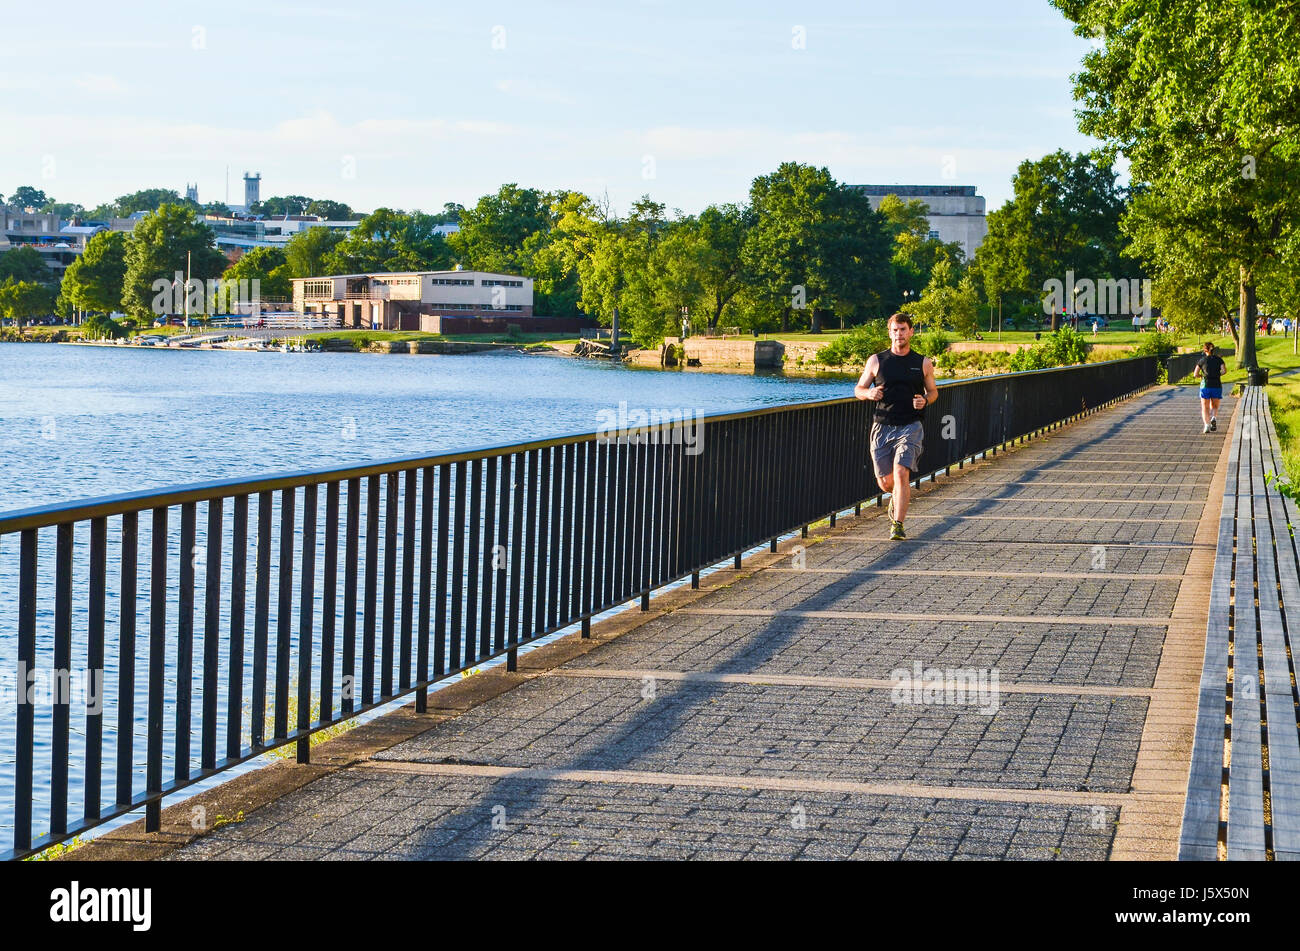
[(903, 378)]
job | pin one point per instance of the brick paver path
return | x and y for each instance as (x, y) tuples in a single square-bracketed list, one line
[(761, 721)]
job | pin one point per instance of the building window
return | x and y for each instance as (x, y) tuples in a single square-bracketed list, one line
[(318, 289), (502, 283)]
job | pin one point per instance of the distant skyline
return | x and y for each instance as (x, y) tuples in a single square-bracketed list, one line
[(410, 105)]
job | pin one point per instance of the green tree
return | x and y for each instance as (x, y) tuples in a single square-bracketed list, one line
[(388, 240), (949, 301), (816, 246), (27, 196), (157, 252), (551, 257), (94, 280), (281, 205), (493, 233), (25, 263), (717, 253), (146, 200), (1201, 99), (268, 266), (20, 300), (1064, 216), (307, 252), (914, 251), (329, 210), (217, 209), (64, 209)]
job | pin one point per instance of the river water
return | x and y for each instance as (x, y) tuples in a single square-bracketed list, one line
[(82, 422)]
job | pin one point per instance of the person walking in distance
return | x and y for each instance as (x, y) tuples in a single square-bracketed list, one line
[(901, 383), (1211, 367)]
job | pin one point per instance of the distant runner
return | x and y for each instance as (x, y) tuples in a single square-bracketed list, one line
[(902, 384), (1210, 366)]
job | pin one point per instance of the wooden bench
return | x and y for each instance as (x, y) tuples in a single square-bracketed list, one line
[(1243, 791)]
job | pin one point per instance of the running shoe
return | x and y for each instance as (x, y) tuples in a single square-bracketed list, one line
[(1214, 423), (896, 533)]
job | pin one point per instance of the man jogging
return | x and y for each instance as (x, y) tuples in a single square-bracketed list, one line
[(901, 382), (1211, 367)]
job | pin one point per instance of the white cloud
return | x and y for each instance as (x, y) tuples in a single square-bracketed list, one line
[(99, 84), (531, 91)]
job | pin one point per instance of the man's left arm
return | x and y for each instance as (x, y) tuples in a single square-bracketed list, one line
[(931, 387)]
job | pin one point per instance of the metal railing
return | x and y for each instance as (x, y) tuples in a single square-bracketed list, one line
[(1180, 365), (267, 609)]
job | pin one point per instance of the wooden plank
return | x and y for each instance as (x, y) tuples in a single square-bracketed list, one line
[(1278, 552), (1198, 839), (1246, 767)]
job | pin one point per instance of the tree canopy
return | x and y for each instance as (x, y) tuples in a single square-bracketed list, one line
[(157, 250), (1201, 100)]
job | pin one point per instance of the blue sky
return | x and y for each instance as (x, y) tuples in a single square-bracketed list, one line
[(412, 105)]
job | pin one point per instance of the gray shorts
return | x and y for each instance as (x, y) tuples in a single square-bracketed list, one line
[(899, 445)]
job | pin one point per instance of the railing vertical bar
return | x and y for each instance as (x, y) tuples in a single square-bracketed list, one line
[(519, 538), (532, 533), (284, 613), (639, 450), (472, 582), (672, 496), (391, 490), (589, 528), (407, 617), (445, 527), (371, 591), (185, 643), (25, 728), (619, 594), (351, 545), (126, 660), (211, 634), (427, 541), (599, 507), (456, 570), (95, 664), (62, 714), (553, 549), (579, 529), (564, 511), (261, 619), (306, 611), (157, 663), (329, 602), (238, 592), (545, 540), (490, 560)]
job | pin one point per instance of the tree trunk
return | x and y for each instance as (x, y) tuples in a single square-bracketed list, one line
[(1248, 316), (815, 326), (785, 320)]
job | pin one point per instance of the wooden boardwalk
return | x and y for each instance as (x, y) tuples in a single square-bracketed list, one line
[(1244, 790)]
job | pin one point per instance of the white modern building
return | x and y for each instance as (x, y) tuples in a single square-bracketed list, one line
[(57, 242), (413, 300), (956, 212)]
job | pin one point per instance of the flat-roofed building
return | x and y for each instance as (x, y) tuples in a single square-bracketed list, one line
[(415, 300), (956, 212)]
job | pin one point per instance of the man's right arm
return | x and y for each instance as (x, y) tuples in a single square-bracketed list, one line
[(867, 380)]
